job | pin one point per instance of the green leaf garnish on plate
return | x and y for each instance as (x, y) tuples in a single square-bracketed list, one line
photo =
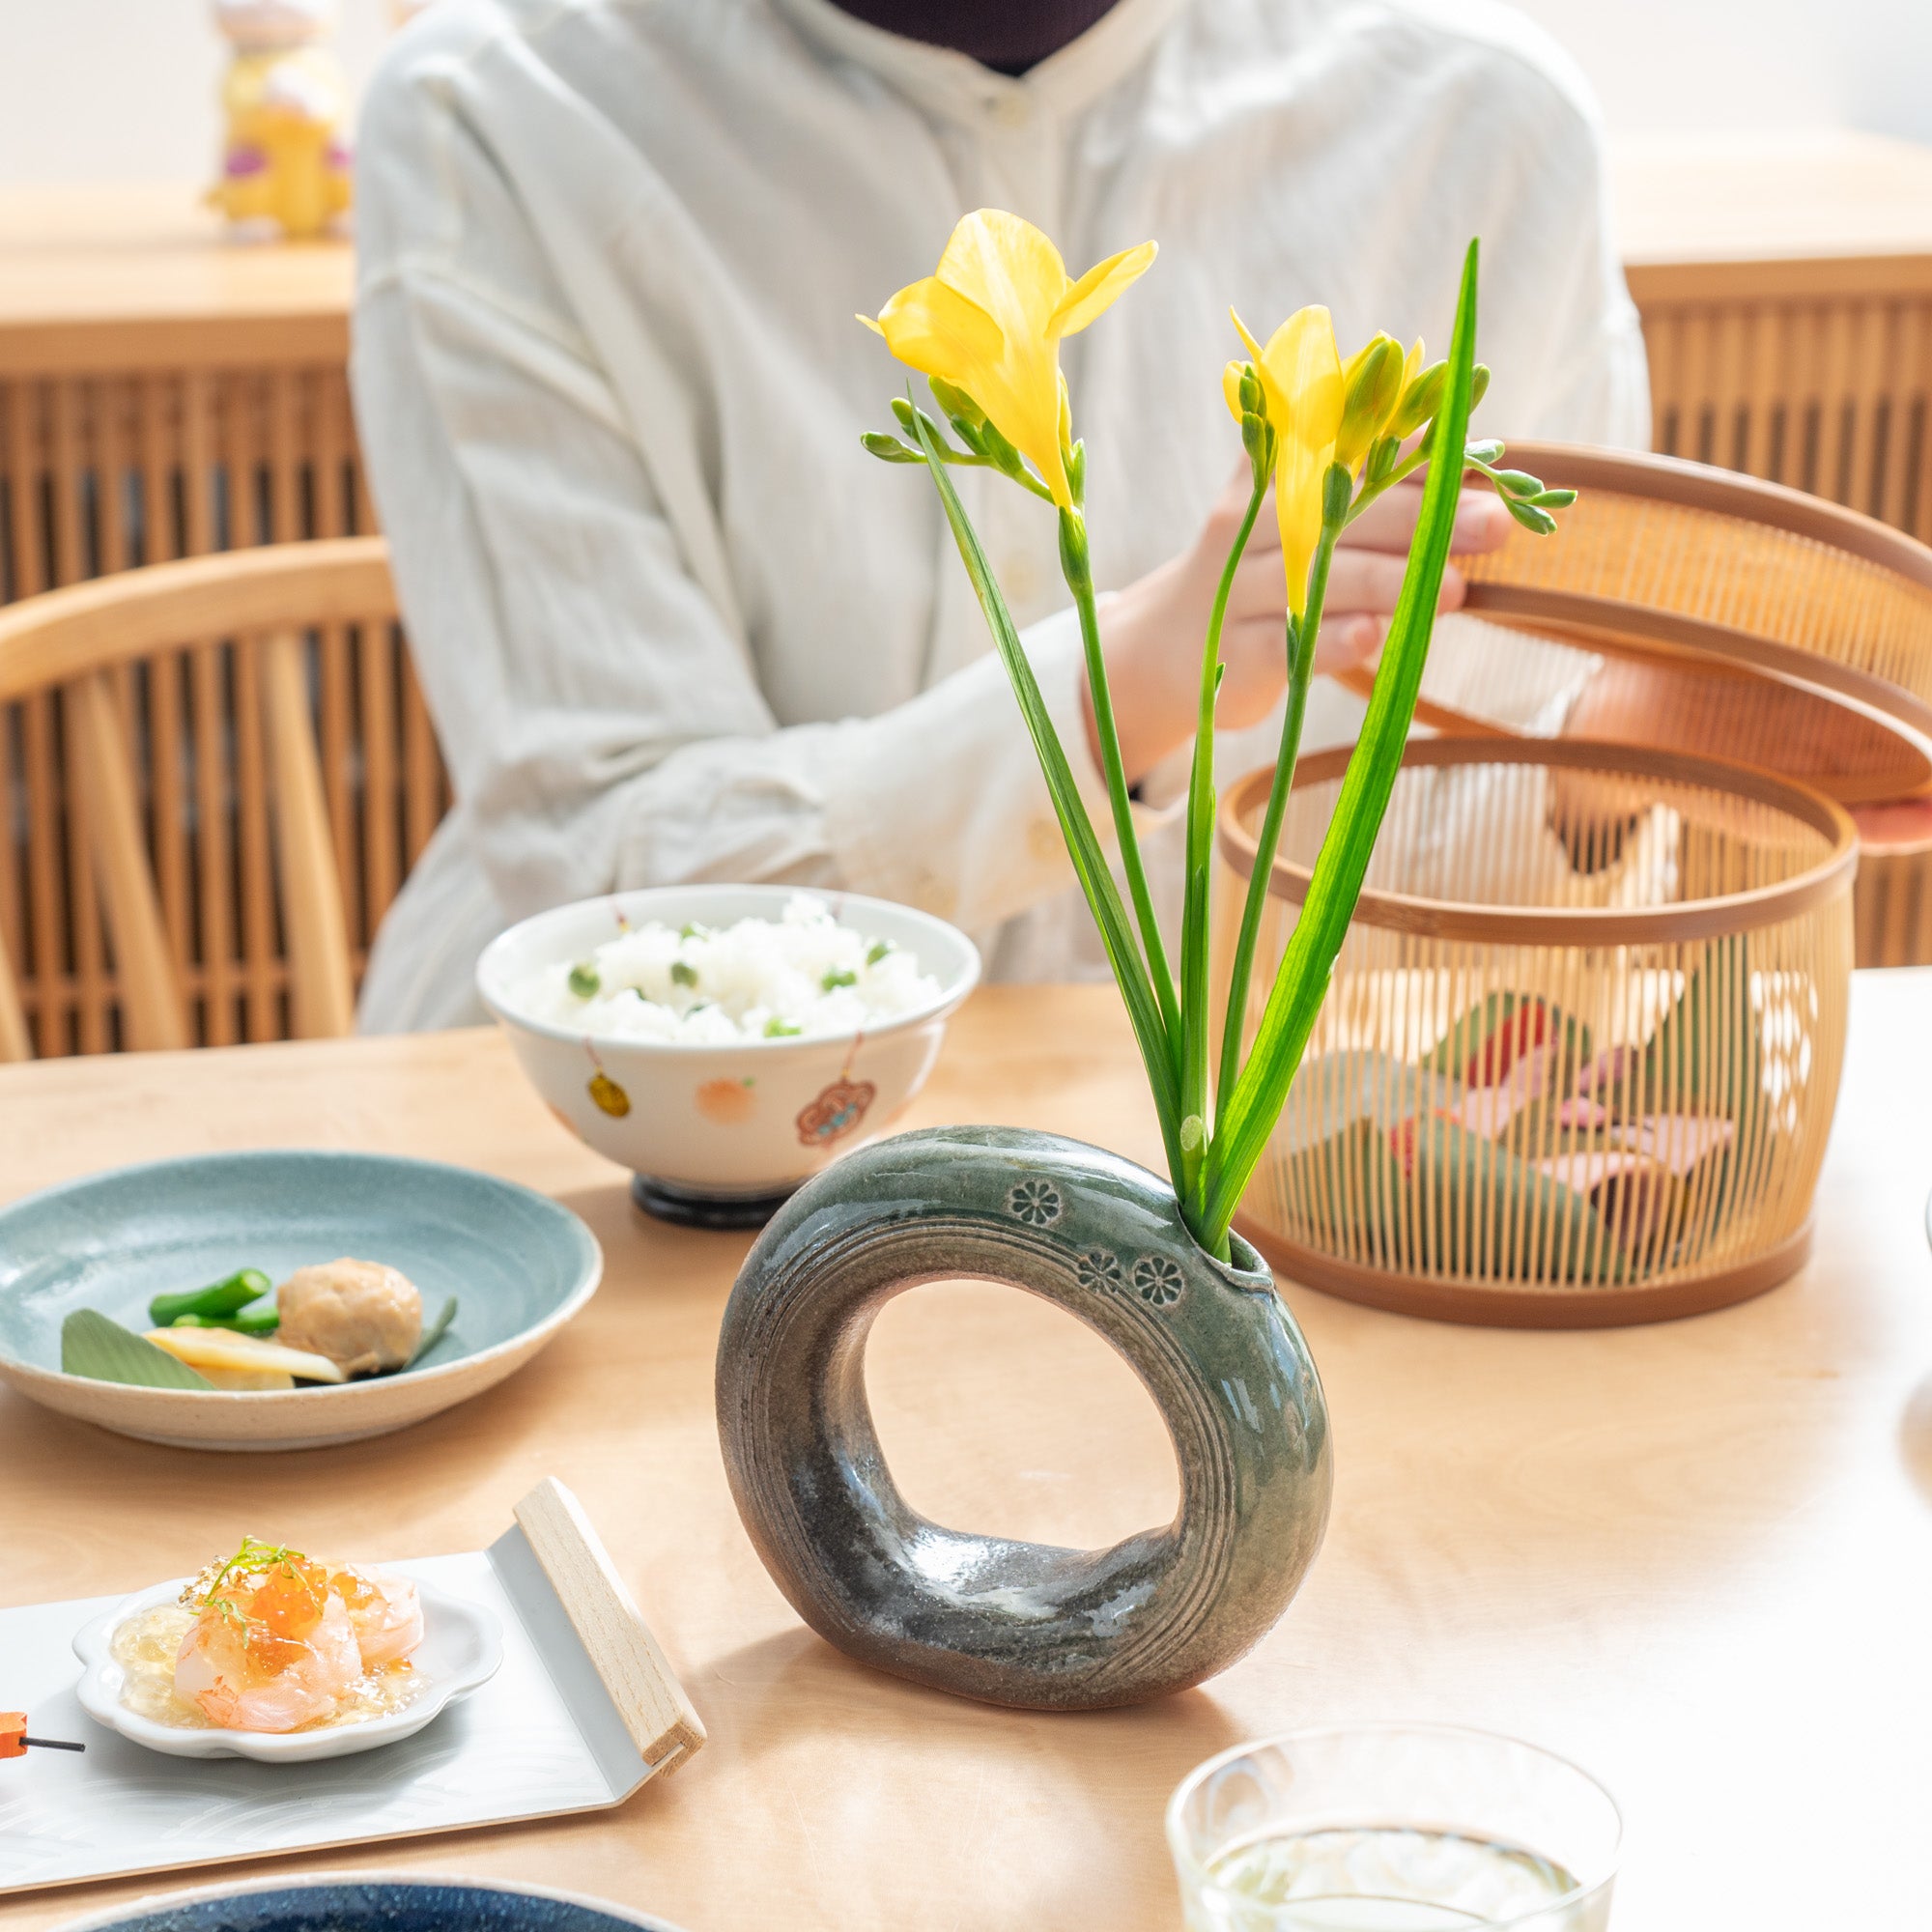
[(104, 1351), (433, 1333)]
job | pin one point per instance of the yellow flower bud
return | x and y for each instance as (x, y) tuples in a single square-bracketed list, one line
[(1420, 400), (1372, 383)]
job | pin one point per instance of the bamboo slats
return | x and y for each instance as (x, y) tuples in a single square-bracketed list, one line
[(1822, 389), (107, 470)]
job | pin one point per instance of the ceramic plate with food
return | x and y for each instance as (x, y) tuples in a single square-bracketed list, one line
[(281, 1299), (272, 1654)]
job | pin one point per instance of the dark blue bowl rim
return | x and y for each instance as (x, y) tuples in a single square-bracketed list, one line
[(375, 1898)]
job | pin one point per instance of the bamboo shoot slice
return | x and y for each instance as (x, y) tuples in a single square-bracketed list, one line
[(220, 1351)]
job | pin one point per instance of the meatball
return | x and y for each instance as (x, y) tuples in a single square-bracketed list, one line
[(364, 1316)]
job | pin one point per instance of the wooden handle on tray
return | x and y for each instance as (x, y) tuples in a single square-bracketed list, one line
[(643, 1685)]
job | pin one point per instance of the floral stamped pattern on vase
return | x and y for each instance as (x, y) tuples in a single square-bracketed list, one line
[(1098, 1271), (1158, 1280), (1037, 1203)]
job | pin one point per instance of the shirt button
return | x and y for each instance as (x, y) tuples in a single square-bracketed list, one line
[(1012, 110)]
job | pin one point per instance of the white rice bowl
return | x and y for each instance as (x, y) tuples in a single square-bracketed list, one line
[(743, 1074)]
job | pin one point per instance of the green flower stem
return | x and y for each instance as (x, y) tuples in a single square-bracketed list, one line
[(1300, 675), (1404, 469), (1250, 1112), (1083, 845), (1077, 568), (1200, 848)]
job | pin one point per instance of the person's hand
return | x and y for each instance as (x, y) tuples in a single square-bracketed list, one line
[(1151, 631)]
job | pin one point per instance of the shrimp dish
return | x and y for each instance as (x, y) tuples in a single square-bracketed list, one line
[(273, 1641)]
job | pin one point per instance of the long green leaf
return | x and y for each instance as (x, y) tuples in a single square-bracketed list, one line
[(1090, 862), (1301, 983), (104, 1351), (1078, 569)]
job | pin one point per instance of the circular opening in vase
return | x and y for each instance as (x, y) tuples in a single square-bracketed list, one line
[(1063, 1446)]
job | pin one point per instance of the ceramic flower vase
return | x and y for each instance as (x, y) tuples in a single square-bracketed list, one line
[(1017, 1622)]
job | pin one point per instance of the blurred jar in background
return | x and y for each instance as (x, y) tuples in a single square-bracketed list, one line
[(284, 166)]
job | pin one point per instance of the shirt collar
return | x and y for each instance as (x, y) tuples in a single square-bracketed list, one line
[(953, 84)]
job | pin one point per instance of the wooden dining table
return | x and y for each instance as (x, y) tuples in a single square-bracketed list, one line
[(1694, 1557)]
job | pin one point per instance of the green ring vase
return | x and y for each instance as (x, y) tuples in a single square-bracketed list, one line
[(1011, 1622)]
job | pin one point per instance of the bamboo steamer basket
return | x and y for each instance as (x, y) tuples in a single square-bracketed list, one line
[(1797, 636), (1578, 1063)]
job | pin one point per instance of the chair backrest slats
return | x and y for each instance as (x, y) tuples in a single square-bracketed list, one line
[(151, 1013), (14, 1041), (322, 995), (177, 866)]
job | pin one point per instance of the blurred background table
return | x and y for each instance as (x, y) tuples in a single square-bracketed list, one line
[(1785, 285), (1696, 1558)]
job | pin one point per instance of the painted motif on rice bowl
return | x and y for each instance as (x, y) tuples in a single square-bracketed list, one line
[(837, 1112)]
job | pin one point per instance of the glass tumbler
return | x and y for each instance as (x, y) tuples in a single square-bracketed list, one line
[(1393, 1828)]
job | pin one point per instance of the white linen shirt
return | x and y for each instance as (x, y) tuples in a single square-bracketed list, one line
[(672, 622)]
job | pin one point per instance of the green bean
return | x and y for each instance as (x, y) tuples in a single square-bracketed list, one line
[(246, 1322), (219, 1298)]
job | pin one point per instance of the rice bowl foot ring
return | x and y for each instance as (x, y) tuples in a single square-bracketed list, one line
[(1020, 1624), (691, 1207)]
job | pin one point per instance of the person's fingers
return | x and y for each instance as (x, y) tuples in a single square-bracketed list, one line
[(1481, 522), (1363, 579), (1353, 640), (1260, 590), (1360, 582), (1224, 524), (1370, 580), (1389, 521), (1388, 524)]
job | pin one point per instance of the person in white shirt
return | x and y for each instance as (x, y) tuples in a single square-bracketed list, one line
[(675, 624)]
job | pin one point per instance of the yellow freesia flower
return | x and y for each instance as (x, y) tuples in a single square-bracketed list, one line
[(1301, 373), (989, 322)]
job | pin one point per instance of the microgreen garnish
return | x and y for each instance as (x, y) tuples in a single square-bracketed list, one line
[(682, 974), (584, 979), (878, 951), (254, 1558), (837, 976)]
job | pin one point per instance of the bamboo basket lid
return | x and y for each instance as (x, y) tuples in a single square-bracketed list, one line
[(1799, 634)]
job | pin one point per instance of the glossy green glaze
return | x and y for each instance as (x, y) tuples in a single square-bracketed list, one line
[(1017, 1622)]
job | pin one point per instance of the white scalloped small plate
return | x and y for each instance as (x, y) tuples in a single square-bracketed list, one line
[(461, 1651)]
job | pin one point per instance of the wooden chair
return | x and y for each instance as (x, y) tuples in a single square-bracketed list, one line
[(189, 867)]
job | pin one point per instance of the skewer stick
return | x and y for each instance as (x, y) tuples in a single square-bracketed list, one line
[(16, 1742)]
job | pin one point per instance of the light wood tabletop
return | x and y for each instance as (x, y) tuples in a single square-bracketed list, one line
[(1740, 197), (89, 257), (1696, 1558), (140, 273)]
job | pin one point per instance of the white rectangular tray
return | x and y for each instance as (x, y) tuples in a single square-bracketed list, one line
[(583, 1711)]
